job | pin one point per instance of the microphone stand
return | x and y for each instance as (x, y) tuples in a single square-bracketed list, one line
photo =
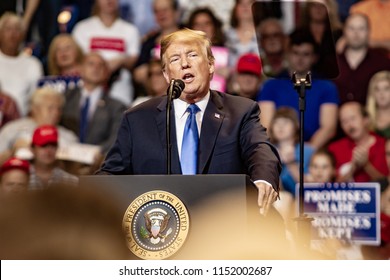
[(168, 126), (303, 221)]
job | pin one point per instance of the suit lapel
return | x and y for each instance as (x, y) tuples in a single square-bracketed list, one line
[(161, 127), (211, 124)]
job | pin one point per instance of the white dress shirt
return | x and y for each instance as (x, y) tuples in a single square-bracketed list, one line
[(181, 116), (94, 97)]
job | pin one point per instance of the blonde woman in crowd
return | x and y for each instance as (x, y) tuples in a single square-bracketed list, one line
[(65, 56), (378, 103), (64, 60), (46, 109)]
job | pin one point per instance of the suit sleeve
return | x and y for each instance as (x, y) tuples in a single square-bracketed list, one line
[(118, 159), (260, 156)]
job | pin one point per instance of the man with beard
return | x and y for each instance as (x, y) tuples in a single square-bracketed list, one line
[(360, 156), (358, 62)]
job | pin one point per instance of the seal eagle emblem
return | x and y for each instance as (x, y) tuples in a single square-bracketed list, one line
[(156, 224)]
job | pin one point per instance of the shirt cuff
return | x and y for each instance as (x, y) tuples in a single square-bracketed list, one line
[(263, 181)]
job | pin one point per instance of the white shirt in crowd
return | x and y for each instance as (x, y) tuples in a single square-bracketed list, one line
[(19, 77), (121, 38)]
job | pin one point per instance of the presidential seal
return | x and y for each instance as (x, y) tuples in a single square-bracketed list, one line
[(156, 224)]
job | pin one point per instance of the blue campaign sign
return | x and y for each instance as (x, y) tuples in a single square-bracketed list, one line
[(345, 211)]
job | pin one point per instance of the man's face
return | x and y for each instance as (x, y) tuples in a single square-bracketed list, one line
[(272, 39), (188, 61), (45, 155), (353, 123), (11, 35), (164, 13), (302, 58), (94, 69), (356, 32), (249, 84), (14, 180)]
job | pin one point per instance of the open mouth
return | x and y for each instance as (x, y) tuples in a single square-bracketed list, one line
[(188, 77)]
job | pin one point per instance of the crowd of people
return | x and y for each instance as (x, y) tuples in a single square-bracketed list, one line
[(70, 85)]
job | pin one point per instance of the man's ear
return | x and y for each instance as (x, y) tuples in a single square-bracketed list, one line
[(166, 76), (211, 68)]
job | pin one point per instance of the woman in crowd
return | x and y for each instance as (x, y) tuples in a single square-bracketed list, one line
[(204, 19), (241, 37), (320, 18), (64, 60), (378, 103)]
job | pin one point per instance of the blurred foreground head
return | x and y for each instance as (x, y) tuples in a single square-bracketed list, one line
[(60, 223)]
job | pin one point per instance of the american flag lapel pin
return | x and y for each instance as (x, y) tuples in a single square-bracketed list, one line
[(217, 116)]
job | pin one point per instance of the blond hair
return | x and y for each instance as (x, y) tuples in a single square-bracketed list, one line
[(371, 106), (186, 35), (52, 62), (9, 16), (44, 93)]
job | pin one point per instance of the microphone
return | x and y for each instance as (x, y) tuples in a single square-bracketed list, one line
[(175, 88), (174, 91)]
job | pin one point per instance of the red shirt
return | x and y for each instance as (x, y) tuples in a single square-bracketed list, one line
[(342, 151)]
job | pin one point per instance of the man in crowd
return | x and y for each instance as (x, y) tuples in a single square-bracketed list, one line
[(44, 171), (360, 155), (322, 99), (273, 43), (358, 62), (14, 175), (248, 76), (89, 111)]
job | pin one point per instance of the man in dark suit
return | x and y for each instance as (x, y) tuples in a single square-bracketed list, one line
[(88, 110), (232, 140)]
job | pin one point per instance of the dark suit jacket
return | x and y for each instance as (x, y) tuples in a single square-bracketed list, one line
[(103, 125), (232, 141)]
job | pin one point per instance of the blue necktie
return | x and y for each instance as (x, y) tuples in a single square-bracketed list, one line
[(189, 148), (84, 120)]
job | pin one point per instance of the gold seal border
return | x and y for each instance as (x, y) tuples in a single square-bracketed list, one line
[(184, 222)]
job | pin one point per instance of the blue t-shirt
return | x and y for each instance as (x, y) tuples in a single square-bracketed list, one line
[(282, 93), (287, 179)]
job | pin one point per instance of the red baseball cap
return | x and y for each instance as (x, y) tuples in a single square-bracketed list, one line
[(15, 163), (46, 134), (249, 63)]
